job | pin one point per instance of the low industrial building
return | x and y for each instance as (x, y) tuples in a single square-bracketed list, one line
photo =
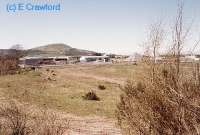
[(94, 59), (183, 58), (37, 61), (40, 61)]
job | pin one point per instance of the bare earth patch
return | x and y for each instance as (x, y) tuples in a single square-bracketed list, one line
[(92, 126)]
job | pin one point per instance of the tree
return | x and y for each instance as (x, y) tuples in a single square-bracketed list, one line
[(156, 38), (179, 36), (17, 47)]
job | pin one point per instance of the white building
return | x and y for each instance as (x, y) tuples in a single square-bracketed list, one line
[(94, 59)]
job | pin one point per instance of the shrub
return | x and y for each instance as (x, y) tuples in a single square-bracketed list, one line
[(91, 96), (163, 104), (18, 120), (101, 87), (8, 65), (14, 121), (51, 124)]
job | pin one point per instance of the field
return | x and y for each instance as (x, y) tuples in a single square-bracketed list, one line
[(62, 88)]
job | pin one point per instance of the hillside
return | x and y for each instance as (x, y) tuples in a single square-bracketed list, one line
[(57, 49)]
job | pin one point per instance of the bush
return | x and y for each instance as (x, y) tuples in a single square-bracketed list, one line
[(13, 120), (162, 104), (51, 124), (18, 120), (91, 96), (8, 65), (101, 87)]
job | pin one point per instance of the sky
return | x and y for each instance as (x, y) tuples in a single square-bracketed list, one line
[(110, 26)]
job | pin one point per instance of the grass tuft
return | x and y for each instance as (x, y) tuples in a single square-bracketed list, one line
[(91, 96)]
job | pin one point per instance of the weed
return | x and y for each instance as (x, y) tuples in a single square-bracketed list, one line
[(91, 96)]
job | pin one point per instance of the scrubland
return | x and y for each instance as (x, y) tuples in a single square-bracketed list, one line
[(63, 88)]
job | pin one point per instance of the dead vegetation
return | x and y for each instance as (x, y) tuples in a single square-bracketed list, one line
[(16, 119), (8, 65), (165, 98), (167, 105), (91, 96), (101, 87)]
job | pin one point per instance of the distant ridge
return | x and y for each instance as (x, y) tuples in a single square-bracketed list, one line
[(58, 50), (49, 50)]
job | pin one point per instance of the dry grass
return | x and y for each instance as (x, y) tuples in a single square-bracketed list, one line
[(18, 119), (64, 90), (117, 71)]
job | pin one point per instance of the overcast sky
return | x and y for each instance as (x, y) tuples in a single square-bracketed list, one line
[(116, 26)]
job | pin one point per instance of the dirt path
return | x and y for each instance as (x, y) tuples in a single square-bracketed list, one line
[(79, 73), (92, 126), (111, 80)]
